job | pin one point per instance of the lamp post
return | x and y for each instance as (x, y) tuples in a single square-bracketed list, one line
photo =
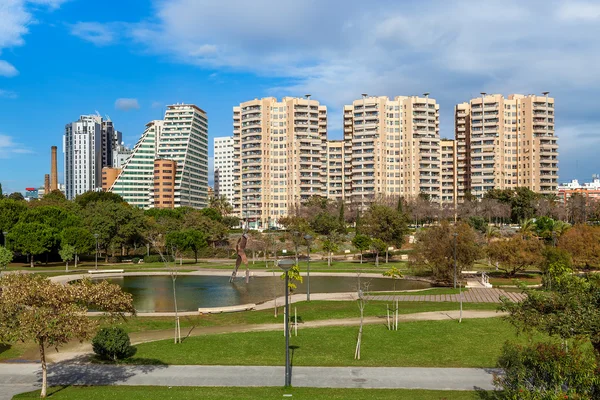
[(308, 238), (455, 236), (96, 236), (285, 266)]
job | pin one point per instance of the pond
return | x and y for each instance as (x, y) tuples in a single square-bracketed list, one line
[(155, 293)]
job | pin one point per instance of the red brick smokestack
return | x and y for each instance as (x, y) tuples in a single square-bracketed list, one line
[(46, 184), (53, 171)]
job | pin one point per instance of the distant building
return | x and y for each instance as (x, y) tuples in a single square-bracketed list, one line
[(109, 176), (181, 137), (120, 155), (590, 190), (165, 177), (223, 167), (31, 194)]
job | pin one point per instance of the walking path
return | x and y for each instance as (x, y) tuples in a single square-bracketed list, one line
[(20, 378), (473, 295)]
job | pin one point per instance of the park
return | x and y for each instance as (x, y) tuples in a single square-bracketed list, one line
[(400, 299)]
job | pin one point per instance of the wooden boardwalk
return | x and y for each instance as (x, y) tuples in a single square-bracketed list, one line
[(470, 296)]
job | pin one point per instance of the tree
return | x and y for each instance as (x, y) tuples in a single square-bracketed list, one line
[(67, 252), (220, 204), (393, 273), (434, 249), (92, 197), (361, 243), (583, 243), (516, 254), (16, 196), (10, 212), (547, 370), (6, 256), (188, 239), (378, 246), (325, 223), (330, 245), (81, 239), (31, 238), (51, 314), (385, 223)]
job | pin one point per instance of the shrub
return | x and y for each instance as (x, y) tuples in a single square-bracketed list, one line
[(135, 260), (113, 260), (112, 344)]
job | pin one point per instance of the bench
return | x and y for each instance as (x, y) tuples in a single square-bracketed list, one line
[(106, 271), (218, 310)]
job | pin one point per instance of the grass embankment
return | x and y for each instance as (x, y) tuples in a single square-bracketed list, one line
[(473, 343), (424, 292), (306, 311), (250, 393)]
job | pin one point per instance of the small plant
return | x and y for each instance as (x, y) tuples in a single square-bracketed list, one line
[(112, 344), (135, 260)]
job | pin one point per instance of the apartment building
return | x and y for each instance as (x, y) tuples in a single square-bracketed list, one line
[(223, 167), (165, 180), (335, 170), (392, 147), (181, 137), (279, 157), (82, 148), (504, 143), (448, 172)]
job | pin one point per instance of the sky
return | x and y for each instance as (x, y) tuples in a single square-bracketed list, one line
[(60, 59)]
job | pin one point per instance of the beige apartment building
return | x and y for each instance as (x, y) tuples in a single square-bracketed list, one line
[(335, 170), (392, 148), (448, 187), (504, 143), (280, 148)]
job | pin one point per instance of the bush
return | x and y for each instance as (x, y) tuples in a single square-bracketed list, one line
[(154, 258), (135, 260), (112, 344), (113, 260)]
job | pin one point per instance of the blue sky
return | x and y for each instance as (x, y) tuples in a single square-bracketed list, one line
[(127, 59)]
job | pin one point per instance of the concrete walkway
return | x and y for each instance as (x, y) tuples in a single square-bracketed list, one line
[(473, 295), (20, 378)]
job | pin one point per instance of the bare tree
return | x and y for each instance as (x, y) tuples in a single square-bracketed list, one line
[(363, 288)]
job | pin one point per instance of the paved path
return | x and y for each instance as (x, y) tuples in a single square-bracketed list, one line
[(474, 295), (20, 378)]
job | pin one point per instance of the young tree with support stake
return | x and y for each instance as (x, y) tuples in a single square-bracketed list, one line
[(51, 314)]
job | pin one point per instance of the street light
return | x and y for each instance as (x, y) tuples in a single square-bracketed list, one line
[(308, 238), (96, 236), (285, 266)]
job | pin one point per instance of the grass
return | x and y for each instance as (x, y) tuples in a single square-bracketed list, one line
[(433, 291), (474, 343), (249, 393), (307, 311)]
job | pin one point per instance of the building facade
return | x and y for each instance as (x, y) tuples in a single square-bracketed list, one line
[(223, 167), (335, 168), (504, 143), (82, 147), (589, 190), (448, 172), (109, 176), (181, 137), (392, 148), (279, 157), (165, 179)]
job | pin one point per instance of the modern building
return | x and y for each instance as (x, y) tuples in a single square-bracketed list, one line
[(223, 167), (590, 190), (120, 154), (181, 137), (504, 143), (335, 167), (109, 176), (165, 179), (82, 147), (279, 157), (392, 148), (448, 172)]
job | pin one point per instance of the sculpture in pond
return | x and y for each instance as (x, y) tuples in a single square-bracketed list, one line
[(240, 249)]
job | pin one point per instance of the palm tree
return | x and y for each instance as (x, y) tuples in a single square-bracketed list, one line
[(528, 227)]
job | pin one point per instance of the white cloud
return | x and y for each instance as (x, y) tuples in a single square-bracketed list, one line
[(125, 104), (99, 34), (579, 10), (8, 147), (7, 94), (7, 69)]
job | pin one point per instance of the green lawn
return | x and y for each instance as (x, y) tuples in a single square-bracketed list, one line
[(306, 311), (250, 393), (421, 292), (473, 343)]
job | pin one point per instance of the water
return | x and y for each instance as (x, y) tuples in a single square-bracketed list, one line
[(155, 293)]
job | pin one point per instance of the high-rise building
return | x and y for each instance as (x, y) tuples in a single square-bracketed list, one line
[(392, 148), (335, 170), (165, 179), (181, 137), (120, 154), (82, 148), (448, 172), (109, 176), (504, 143), (223, 167), (279, 157)]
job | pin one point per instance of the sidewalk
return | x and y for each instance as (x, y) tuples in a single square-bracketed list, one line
[(20, 378)]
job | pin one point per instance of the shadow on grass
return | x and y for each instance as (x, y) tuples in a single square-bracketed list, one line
[(79, 372)]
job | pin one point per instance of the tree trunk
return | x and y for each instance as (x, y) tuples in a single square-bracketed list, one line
[(377, 259), (361, 257), (329, 260), (386, 255), (76, 260), (31, 261), (67, 269), (44, 370), (196, 255)]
